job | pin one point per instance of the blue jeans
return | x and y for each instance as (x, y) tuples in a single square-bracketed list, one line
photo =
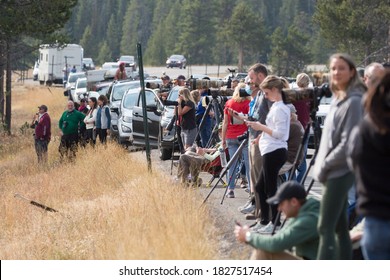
[(376, 236), (205, 133), (233, 145), (301, 169)]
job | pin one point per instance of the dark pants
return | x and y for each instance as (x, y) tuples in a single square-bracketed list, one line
[(68, 145), (267, 184), (90, 136), (102, 132), (41, 150)]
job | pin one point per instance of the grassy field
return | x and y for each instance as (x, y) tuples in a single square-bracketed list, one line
[(109, 206)]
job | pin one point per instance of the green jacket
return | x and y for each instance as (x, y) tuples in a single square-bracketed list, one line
[(300, 232), (70, 121)]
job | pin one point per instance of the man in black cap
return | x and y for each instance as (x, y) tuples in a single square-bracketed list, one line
[(165, 87), (42, 125), (300, 232)]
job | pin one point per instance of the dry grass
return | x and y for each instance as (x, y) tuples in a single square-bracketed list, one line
[(109, 206)]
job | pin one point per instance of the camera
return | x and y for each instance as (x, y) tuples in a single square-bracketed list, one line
[(205, 83), (313, 94), (170, 103), (242, 136)]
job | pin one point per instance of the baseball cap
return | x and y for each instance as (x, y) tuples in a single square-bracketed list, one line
[(43, 107), (181, 77), (288, 190)]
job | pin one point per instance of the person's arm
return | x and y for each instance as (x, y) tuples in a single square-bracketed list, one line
[(108, 115), (182, 111), (224, 129)]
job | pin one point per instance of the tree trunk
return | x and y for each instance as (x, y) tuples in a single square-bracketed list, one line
[(8, 89), (240, 58), (2, 63)]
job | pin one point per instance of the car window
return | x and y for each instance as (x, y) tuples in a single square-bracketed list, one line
[(120, 89), (82, 84), (130, 100), (150, 99), (73, 78), (173, 95), (326, 100)]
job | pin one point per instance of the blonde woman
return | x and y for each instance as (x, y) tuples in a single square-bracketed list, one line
[(331, 168), (232, 128), (186, 113)]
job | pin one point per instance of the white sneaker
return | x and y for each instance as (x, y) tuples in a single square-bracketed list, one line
[(249, 209), (268, 229), (257, 227), (248, 203)]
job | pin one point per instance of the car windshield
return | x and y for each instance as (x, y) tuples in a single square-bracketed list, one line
[(130, 100), (82, 84), (176, 57), (120, 89), (110, 66), (73, 78)]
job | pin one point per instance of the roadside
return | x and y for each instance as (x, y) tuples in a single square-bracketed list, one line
[(224, 211)]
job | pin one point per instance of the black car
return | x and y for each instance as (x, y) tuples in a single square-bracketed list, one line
[(176, 60)]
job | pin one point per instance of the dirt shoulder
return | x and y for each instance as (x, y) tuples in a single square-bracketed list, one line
[(224, 213)]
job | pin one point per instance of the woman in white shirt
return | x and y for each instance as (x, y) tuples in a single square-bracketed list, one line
[(90, 120), (273, 148)]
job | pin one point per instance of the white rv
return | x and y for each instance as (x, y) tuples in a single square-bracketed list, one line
[(55, 63)]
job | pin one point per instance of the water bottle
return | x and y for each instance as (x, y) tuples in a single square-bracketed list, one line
[(222, 156)]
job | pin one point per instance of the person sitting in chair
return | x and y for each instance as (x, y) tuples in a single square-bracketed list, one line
[(193, 159)]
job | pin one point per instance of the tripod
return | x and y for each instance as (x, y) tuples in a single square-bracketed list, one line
[(218, 110), (233, 159)]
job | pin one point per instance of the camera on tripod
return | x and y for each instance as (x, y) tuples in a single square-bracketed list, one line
[(312, 94), (243, 136)]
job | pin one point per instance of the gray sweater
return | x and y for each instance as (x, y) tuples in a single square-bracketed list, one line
[(343, 116)]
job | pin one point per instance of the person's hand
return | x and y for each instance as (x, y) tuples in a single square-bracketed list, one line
[(254, 125), (240, 233), (200, 151)]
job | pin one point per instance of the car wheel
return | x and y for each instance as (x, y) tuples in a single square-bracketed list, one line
[(164, 153)]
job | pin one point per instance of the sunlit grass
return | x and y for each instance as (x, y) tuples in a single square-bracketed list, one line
[(109, 205)]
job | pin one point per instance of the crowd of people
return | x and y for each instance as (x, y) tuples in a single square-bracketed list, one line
[(78, 127), (354, 147), (353, 154)]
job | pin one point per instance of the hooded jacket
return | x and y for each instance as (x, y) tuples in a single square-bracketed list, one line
[(343, 116)]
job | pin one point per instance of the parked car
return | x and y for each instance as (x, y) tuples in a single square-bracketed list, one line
[(176, 60), (115, 94), (110, 68), (80, 90), (71, 84), (166, 139), (88, 64), (121, 113), (154, 110), (129, 61)]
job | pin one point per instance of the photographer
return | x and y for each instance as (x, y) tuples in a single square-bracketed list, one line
[(42, 125), (231, 129), (186, 114), (69, 124), (165, 87)]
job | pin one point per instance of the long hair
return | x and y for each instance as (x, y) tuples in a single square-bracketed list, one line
[(185, 92), (354, 82), (93, 99), (236, 94), (377, 104)]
